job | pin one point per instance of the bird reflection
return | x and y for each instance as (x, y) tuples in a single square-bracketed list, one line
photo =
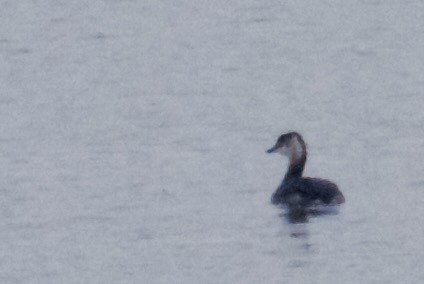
[(298, 218)]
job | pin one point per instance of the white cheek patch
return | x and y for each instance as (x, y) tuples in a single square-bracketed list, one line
[(293, 150), (297, 148), (284, 150)]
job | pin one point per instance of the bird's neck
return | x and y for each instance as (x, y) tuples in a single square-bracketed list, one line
[(296, 166)]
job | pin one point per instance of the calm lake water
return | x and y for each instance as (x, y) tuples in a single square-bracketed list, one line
[(133, 135)]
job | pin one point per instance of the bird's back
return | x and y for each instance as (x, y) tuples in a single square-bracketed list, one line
[(307, 191)]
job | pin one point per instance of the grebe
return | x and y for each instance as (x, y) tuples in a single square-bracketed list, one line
[(296, 191)]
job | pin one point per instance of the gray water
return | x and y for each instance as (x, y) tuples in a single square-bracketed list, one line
[(132, 140)]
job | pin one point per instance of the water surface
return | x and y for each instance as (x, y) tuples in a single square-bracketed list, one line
[(133, 137)]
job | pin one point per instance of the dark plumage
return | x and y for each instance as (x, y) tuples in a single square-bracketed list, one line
[(295, 190)]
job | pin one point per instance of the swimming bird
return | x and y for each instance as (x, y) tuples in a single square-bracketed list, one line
[(296, 191)]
